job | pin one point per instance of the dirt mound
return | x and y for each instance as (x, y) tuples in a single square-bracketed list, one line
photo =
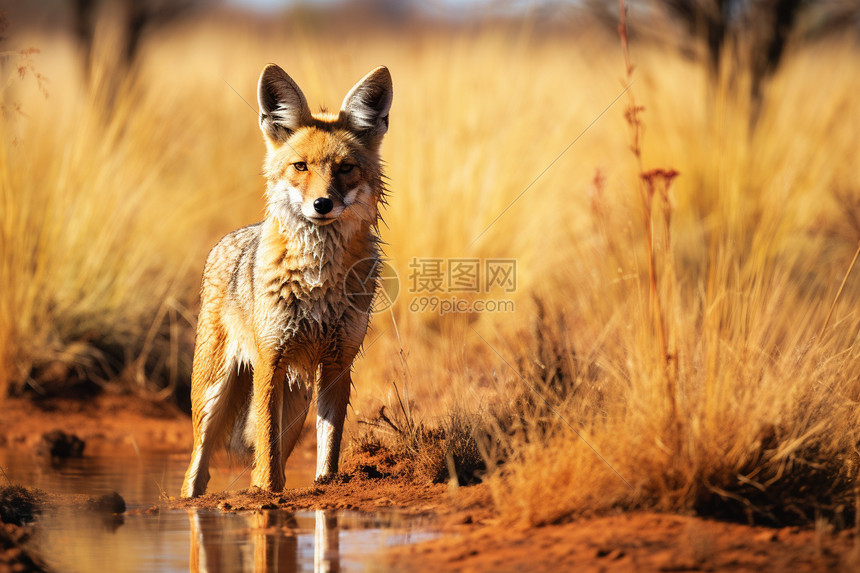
[(59, 444)]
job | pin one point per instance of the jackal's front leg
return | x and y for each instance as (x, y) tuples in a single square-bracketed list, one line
[(332, 400), (268, 403)]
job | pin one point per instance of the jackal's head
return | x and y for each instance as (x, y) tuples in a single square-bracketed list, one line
[(323, 167)]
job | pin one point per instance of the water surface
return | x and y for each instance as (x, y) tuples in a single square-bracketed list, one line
[(195, 540)]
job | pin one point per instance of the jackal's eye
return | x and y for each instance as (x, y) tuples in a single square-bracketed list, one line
[(300, 166), (345, 168)]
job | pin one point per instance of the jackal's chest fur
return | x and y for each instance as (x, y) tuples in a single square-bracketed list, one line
[(312, 278)]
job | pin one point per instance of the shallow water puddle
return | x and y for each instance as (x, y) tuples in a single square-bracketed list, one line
[(207, 540), (195, 540), (140, 480)]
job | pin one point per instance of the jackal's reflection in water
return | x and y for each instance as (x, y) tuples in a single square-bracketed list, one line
[(262, 541), (326, 543)]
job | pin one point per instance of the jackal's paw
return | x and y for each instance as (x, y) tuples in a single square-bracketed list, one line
[(190, 490), (332, 478), (268, 486)]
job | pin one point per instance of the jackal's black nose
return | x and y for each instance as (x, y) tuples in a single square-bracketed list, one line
[(323, 205)]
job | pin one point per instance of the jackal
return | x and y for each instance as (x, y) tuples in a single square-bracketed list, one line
[(285, 302)]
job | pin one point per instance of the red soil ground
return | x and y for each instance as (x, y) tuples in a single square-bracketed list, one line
[(107, 423), (631, 542), (474, 538)]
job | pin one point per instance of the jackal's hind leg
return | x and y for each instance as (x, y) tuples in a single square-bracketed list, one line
[(216, 395), (332, 400)]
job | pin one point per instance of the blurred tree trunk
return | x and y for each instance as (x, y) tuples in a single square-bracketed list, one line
[(85, 25), (135, 18), (757, 29), (707, 19), (772, 23)]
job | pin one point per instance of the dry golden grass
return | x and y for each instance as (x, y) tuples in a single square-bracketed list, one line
[(109, 204)]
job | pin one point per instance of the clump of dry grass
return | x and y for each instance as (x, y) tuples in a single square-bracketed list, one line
[(98, 233), (451, 450), (770, 439), (721, 390)]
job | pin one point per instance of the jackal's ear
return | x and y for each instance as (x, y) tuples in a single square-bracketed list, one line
[(283, 107), (367, 104)]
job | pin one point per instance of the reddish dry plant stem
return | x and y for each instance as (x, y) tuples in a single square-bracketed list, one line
[(622, 32), (646, 194)]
